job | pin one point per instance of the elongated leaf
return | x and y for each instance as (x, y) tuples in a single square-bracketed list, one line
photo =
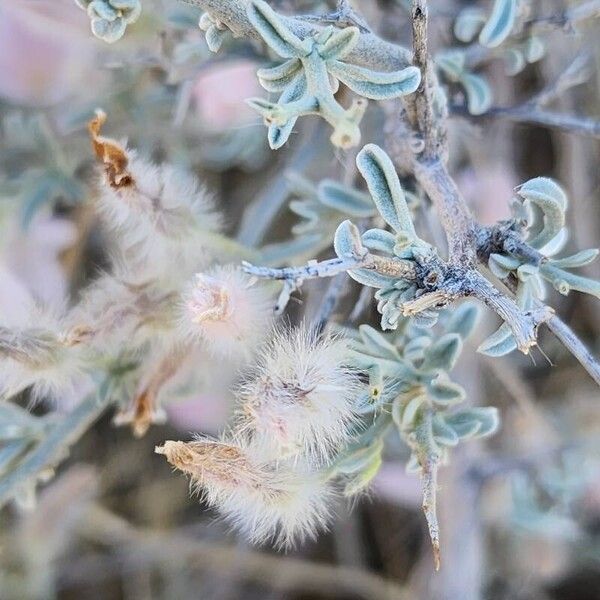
[(347, 242), (383, 183), (514, 61), (585, 257), (376, 344), (276, 79), (443, 353), (550, 198), (468, 23), (340, 43), (375, 85), (463, 319), (445, 393), (443, 433), (275, 32), (500, 23), (479, 94), (564, 281), (501, 342), (346, 200), (379, 239)]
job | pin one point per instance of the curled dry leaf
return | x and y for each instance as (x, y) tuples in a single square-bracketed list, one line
[(111, 153)]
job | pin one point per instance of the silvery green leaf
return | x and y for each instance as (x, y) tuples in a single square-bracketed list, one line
[(364, 478), (374, 85), (500, 23), (549, 197), (275, 32), (376, 344), (564, 282), (452, 63), (468, 23), (379, 239), (474, 422), (339, 44), (413, 466), (443, 353), (371, 278), (103, 10), (514, 61), (445, 393), (479, 94), (345, 200), (442, 432), (534, 49), (501, 342), (556, 244), (108, 31), (346, 241), (278, 135), (205, 21), (585, 257), (382, 180), (359, 458), (502, 266), (463, 319), (426, 318), (214, 38), (261, 106), (407, 412), (276, 79), (414, 350)]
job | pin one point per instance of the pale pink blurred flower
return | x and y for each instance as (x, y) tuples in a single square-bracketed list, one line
[(45, 51), (220, 91), (488, 191), (32, 256)]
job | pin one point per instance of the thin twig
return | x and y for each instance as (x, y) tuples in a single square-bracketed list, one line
[(585, 126), (370, 51)]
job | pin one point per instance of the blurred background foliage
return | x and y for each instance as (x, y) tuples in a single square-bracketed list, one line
[(115, 523)]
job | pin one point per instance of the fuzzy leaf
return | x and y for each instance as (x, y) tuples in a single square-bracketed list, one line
[(375, 85), (501, 342), (445, 393), (452, 63), (585, 257), (514, 61), (344, 199), (500, 23), (479, 95), (463, 319), (443, 433), (275, 32), (371, 278), (276, 79), (474, 422), (379, 239), (339, 44), (443, 353), (346, 241), (502, 266), (376, 344), (468, 23), (534, 49), (564, 282), (550, 198), (383, 183)]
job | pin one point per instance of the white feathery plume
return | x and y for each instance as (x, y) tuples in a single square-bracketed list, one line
[(299, 401), (38, 356), (160, 215), (227, 310), (263, 500), (114, 311)]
